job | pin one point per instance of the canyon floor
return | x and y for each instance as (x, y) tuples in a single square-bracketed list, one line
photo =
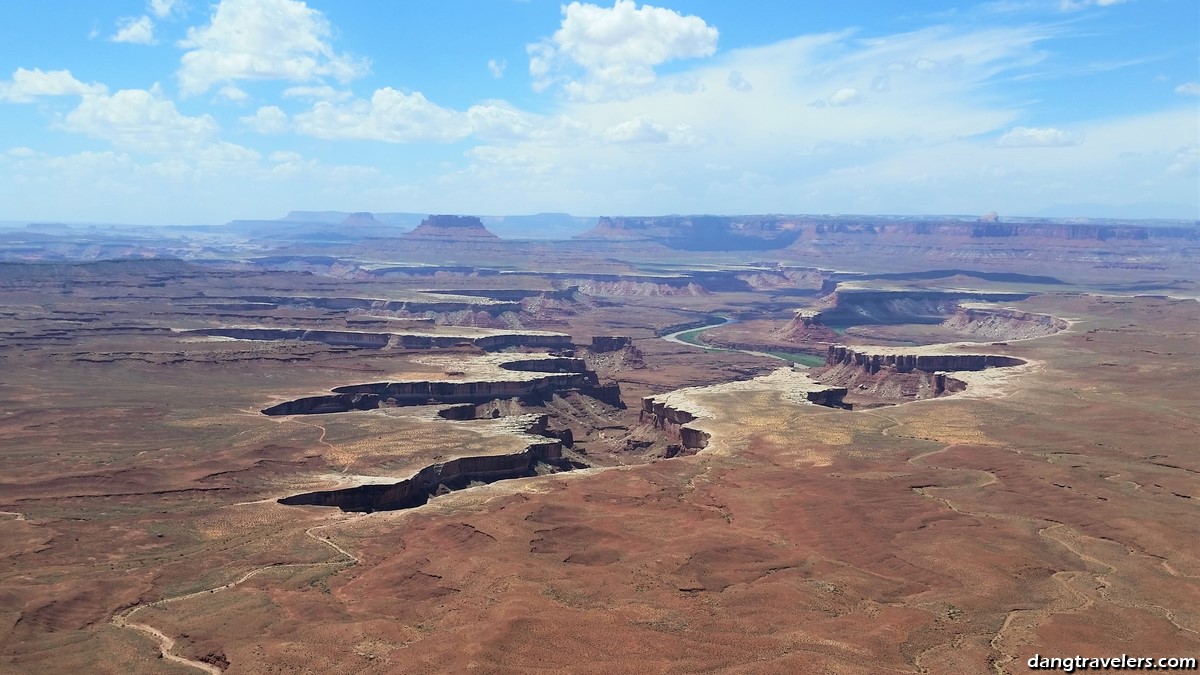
[(905, 525)]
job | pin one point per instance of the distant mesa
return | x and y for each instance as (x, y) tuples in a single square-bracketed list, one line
[(360, 219), (452, 227)]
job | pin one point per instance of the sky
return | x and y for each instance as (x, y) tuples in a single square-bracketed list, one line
[(191, 112)]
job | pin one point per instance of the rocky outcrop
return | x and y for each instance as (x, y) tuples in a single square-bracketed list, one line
[(830, 397), (444, 477), (609, 343), (872, 363), (453, 228), (806, 326)]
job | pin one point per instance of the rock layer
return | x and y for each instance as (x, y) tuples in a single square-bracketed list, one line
[(872, 363)]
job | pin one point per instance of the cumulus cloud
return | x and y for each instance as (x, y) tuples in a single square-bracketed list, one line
[(496, 68), (26, 85), (266, 120), (845, 96), (600, 52), (390, 115), (138, 31), (140, 120), (262, 40), (1188, 89), (1035, 137)]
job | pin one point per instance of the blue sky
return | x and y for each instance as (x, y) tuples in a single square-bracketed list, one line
[(182, 111)]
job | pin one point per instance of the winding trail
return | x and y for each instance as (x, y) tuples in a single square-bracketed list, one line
[(166, 644)]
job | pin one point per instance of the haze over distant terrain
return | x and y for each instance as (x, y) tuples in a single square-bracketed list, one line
[(173, 112)]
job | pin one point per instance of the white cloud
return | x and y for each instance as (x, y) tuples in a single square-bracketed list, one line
[(390, 116), (140, 120), (496, 68), (1188, 89), (139, 31), (1035, 137), (262, 40), (602, 52), (232, 93), (26, 85), (322, 92), (266, 120), (162, 8), (845, 96)]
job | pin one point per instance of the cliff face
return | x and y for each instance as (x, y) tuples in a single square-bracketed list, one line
[(673, 422), (452, 227), (839, 355)]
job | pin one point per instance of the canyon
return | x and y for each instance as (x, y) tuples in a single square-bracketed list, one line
[(884, 445)]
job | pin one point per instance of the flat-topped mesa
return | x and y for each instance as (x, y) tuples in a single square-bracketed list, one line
[(360, 219), (871, 363), (452, 227)]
